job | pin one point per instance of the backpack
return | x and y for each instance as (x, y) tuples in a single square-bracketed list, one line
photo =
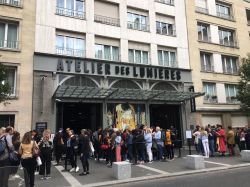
[(163, 135), (2, 145)]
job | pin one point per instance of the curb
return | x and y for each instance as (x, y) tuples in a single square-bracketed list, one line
[(160, 176)]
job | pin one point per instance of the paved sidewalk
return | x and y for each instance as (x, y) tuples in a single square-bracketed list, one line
[(101, 175)]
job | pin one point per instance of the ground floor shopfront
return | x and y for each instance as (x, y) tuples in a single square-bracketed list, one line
[(86, 93)]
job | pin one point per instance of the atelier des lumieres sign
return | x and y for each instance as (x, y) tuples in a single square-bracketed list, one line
[(88, 67)]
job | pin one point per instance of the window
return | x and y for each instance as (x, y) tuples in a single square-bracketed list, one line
[(227, 37), (210, 92), (167, 58), (11, 80), (11, 2), (165, 28), (137, 22), (9, 35), (206, 62), (231, 93), (138, 56), (248, 17), (7, 120), (106, 52), (71, 8), (67, 45), (229, 65), (203, 32), (167, 2), (201, 6), (224, 11)]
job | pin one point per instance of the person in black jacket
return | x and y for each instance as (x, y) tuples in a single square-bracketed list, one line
[(58, 145), (71, 148), (247, 137), (140, 145), (84, 151), (46, 149)]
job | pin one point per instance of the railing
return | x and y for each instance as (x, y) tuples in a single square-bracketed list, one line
[(11, 2), (168, 32), (141, 60), (248, 22), (70, 13), (201, 10), (205, 39), (210, 99), (108, 57), (232, 100), (9, 44), (230, 71), (228, 43), (207, 68), (172, 64), (247, 1), (225, 16), (167, 2), (137, 26), (70, 52), (107, 20)]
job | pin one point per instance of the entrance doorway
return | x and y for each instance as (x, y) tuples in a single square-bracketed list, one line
[(165, 116), (79, 116)]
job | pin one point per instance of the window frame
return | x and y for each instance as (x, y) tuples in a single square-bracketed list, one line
[(5, 41), (200, 28), (169, 32), (111, 52), (141, 56), (230, 59), (170, 62), (204, 61)]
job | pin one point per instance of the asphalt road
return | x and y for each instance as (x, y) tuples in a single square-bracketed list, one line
[(228, 178)]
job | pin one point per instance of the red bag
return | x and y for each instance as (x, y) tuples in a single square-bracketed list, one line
[(104, 147)]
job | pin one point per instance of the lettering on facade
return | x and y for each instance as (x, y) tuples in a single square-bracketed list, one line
[(108, 69)]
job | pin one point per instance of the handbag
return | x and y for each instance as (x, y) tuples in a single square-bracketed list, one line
[(35, 150), (13, 156), (92, 150), (38, 161), (104, 147)]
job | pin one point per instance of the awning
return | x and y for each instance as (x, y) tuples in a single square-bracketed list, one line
[(83, 92)]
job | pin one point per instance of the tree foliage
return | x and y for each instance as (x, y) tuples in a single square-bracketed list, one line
[(244, 84), (5, 89)]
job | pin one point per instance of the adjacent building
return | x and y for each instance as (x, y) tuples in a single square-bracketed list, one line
[(17, 40), (111, 63), (218, 36)]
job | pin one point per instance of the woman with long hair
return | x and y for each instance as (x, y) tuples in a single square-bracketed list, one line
[(28, 161)]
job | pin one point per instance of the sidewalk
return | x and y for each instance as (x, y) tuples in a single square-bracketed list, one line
[(100, 174)]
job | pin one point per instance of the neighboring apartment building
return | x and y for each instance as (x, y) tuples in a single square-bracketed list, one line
[(120, 63), (17, 40), (218, 33)]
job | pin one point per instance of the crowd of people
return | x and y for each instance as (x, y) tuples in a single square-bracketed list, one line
[(212, 139), (138, 146)]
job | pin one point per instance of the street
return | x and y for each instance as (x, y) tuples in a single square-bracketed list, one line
[(227, 178)]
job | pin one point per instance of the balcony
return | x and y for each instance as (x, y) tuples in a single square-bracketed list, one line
[(70, 13), (207, 68), (225, 16), (70, 52), (231, 71), (138, 26), (16, 3), (210, 99), (228, 43), (107, 20), (167, 2), (109, 57), (9, 44), (201, 10), (165, 31), (232, 100)]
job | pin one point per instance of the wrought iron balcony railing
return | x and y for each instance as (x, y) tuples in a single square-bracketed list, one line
[(138, 26), (167, 2), (207, 68), (16, 3), (9, 44), (168, 32), (70, 52), (107, 20), (210, 99), (228, 43), (225, 16), (70, 13), (201, 10)]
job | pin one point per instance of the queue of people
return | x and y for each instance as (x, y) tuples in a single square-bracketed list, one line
[(211, 139)]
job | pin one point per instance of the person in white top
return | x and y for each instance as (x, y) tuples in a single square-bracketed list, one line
[(204, 138)]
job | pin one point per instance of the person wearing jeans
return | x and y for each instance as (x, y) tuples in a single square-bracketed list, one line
[(148, 140), (159, 143), (27, 160), (204, 139)]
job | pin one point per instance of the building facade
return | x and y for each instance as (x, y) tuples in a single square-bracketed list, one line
[(111, 63), (17, 41), (218, 33)]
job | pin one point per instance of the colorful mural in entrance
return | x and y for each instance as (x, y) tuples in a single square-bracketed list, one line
[(125, 115)]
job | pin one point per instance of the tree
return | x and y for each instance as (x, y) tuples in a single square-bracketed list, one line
[(244, 84), (5, 89)]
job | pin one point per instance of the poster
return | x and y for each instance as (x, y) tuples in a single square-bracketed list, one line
[(40, 127), (125, 115)]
